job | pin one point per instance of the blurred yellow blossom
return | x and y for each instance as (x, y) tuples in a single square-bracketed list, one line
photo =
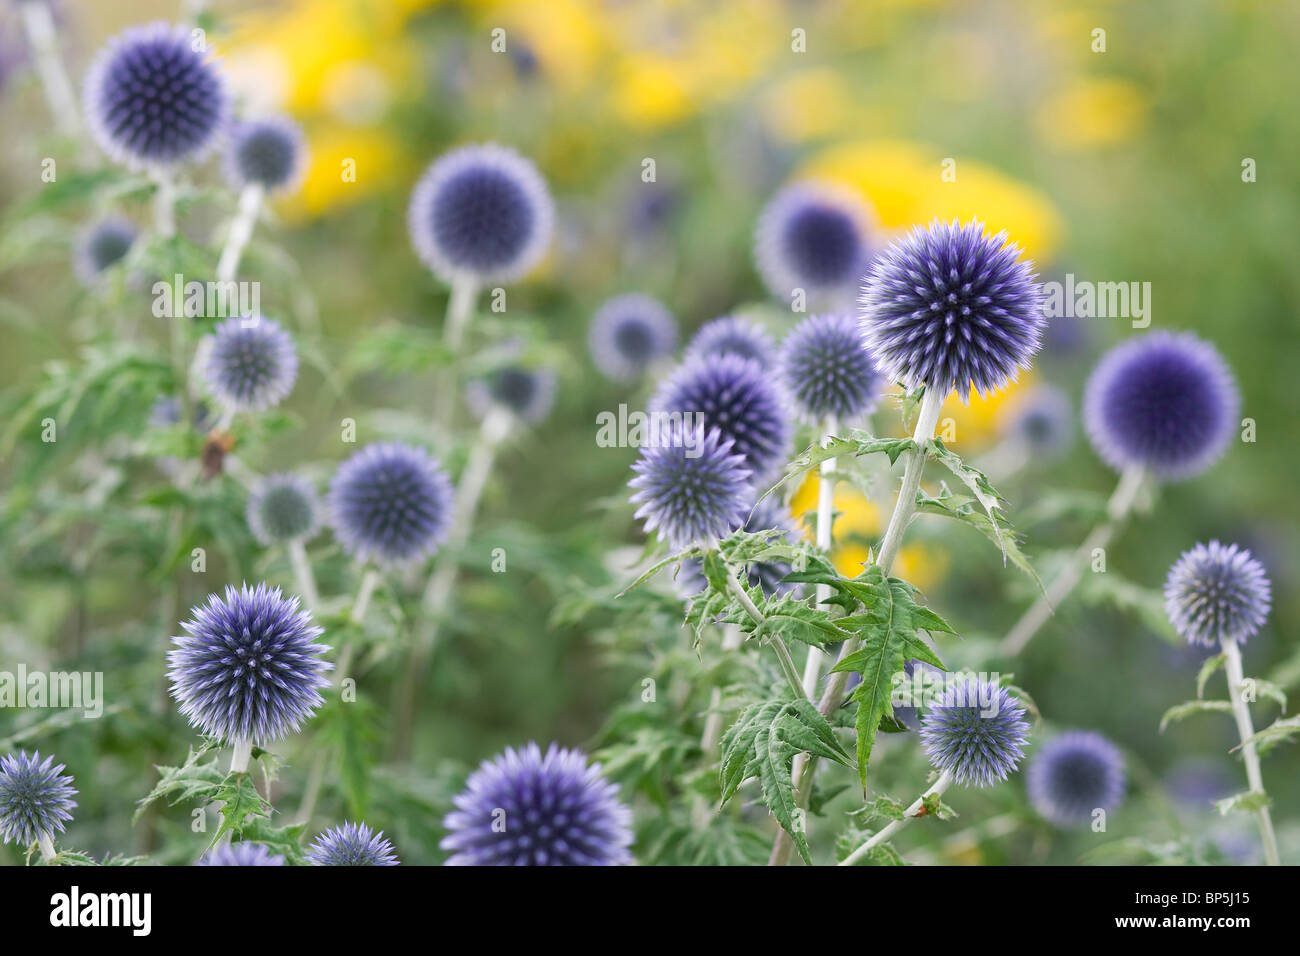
[(1093, 111), (807, 105)]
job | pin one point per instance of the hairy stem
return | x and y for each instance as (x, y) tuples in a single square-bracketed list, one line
[(777, 642), (460, 305), (241, 230), (825, 539), (240, 754), (910, 814), (1131, 481), (304, 579), (904, 509), (47, 846), (38, 24), (1246, 730), (164, 202)]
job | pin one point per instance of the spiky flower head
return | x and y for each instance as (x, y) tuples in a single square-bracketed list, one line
[(526, 808), (691, 486), (1217, 592), (391, 503), (1165, 402), (251, 363), (34, 799), (482, 213), (1041, 421), (1075, 774), (767, 515), (352, 844), (731, 335), (267, 152), (950, 307), (815, 237), (628, 334), (737, 397), (828, 371), (240, 854), (248, 665), (153, 97), (283, 508), (104, 244), (976, 731), (526, 393)]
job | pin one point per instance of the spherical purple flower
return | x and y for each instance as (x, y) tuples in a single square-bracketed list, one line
[(283, 508), (1217, 592), (828, 371), (1041, 421), (390, 502), (240, 854), (482, 213), (526, 393), (352, 844), (814, 237), (267, 152), (730, 335), (34, 799), (737, 397), (1165, 402), (767, 515), (1075, 774), (628, 334), (248, 665), (104, 244), (252, 363), (152, 98), (526, 808), (691, 486), (976, 732), (952, 307)]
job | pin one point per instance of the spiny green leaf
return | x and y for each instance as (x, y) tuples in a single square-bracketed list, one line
[(979, 486), (963, 508), (1186, 709), (1208, 668), (1247, 802), (193, 780), (1280, 731), (659, 566)]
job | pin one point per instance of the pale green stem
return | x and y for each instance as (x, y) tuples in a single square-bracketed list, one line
[(910, 814), (304, 578), (460, 306), (164, 202), (43, 40), (825, 540), (241, 230), (1121, 503), (777, 642), (1246, 730), (242, 751), (47, 846)]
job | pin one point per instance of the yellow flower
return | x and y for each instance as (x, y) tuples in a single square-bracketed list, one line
[(808, 105), (335, 152), (1093, 111), (648, 91), (903, 182)]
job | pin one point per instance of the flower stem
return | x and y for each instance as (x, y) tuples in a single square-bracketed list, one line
[(1131, 482), (910, 814), (164, 202), (777, 642), (460, 305), (438, 591), (239, 757), (303, 577), (732, 638), (241, 230), (904, 508), (47, 846), (38, 24), (1246, 730), (825, 539)]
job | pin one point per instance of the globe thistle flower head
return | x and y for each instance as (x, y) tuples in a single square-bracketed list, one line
[(391, 503), (251, 363), (1164, 402), (691, 487), (976, 731), (283, 508), (737, 397), (730, 335), (152, 99), (352, 844), (767, 515), (481, 213), (528, 394), (828, 371), (815, 237), (104, 244), (952, 307), (1215, 593), (526, 808), (34, 798), (267, 152), (240, 854), (1075, 774), (630, 333), (1042, 422), (248, 665)]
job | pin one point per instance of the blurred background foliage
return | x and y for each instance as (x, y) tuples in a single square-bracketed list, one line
[(1117, 166)]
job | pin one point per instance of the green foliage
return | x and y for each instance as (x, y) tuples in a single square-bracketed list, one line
[(1187, 708)]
